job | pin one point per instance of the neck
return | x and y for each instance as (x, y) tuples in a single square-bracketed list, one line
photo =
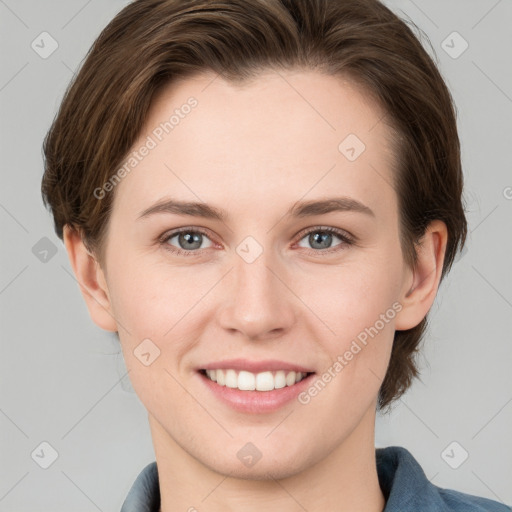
[(343, 481)]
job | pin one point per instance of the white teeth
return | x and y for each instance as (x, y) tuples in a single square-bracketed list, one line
[(231, 379), (290, 378), (264, 381), (221, 377), (248, 381), (280, 379)]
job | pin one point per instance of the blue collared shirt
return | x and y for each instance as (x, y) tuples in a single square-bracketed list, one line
[(401, 478)]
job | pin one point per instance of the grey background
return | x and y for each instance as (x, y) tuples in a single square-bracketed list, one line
[(62, 377)]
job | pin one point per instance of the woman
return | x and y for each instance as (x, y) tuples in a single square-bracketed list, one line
[(261, 199)]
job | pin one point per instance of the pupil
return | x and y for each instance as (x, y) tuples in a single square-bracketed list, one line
[(191, 239), (323, 236)]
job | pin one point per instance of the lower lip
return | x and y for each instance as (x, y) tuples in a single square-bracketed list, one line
[(256, 402)]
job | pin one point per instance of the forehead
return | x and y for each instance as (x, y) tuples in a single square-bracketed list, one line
[(279, 133), (307, 104)]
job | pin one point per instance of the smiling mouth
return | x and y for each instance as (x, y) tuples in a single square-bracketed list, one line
[(248, 381)]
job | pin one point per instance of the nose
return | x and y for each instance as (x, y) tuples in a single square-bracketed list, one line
[(257, 302)]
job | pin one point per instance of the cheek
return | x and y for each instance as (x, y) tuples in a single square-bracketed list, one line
[(162, 309), (157, 306), (359, 303), (153, 299), (349, 299)]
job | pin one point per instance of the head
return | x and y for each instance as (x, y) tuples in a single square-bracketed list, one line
[(254, 108)]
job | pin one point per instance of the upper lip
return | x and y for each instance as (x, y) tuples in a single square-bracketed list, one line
[(255, 366)]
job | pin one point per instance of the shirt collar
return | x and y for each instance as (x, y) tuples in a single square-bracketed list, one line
[(403, 482)]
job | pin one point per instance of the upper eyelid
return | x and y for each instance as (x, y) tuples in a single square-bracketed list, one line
[(332, 229), (173, 232)]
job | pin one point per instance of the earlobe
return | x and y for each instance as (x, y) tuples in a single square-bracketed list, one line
[(422, 282), (91, 280)]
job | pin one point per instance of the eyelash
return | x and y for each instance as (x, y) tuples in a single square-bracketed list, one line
[(347, 240)]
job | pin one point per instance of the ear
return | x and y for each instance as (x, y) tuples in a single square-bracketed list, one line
[(422, 282), (91, 279)]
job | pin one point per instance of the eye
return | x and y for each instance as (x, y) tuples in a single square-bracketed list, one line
[(188, 240), (320, 238)]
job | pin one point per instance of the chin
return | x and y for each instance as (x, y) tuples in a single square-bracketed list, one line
[(261, 471), (273, 465)]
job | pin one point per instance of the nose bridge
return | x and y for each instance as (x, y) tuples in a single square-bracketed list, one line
[(259, 302), (254, 277)]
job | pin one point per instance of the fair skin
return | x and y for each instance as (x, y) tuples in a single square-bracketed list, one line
[(254, 151)]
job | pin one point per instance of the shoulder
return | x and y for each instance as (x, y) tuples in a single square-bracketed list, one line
[(406, 487), (458, 501), (144, 495)]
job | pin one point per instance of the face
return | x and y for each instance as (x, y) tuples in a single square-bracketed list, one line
[(259, 284)]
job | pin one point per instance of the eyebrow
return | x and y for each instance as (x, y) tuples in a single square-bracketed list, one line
[(299, 209)]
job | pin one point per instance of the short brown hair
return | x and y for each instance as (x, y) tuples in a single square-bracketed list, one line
[(151, 43)]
